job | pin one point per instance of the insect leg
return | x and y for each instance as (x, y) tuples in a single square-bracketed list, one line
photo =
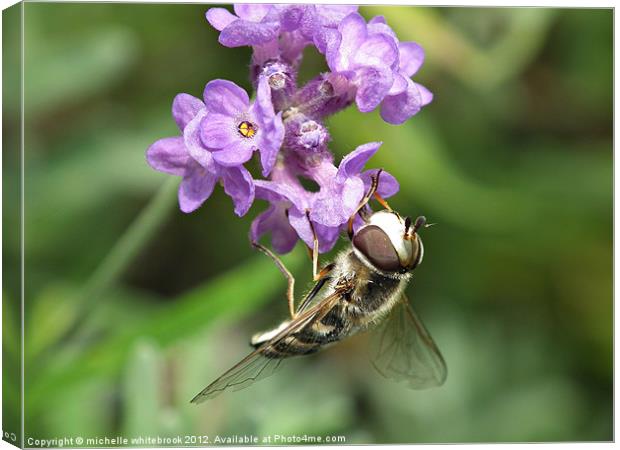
[(290, 291), (372, 191), (382, 201), (315, 250)]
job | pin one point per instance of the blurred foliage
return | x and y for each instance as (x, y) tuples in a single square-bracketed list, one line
[(132, 307)]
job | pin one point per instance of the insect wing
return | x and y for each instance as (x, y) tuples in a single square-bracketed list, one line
[(403, 350), (314, 296), (258, 364)]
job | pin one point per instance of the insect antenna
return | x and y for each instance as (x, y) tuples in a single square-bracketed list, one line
[(419, 223), (373, 189), (407, 226)]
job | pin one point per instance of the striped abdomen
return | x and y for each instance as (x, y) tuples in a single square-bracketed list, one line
[(331, 328)]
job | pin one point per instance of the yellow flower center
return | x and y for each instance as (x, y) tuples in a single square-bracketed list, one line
[(247, 129)]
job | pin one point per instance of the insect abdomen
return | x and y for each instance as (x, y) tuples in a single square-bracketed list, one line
[(288, 347), (331, 328)]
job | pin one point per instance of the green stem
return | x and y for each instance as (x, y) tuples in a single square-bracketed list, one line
[(133, 240)]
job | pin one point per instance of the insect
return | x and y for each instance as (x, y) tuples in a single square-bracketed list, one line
[(362, 289)]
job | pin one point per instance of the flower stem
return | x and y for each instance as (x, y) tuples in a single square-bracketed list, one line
[(133, 240)]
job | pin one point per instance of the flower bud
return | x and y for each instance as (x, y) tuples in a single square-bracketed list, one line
[(325, 95), (281, 78), (306, 141)]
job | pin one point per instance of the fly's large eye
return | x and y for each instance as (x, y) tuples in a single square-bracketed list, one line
[(377, 247)]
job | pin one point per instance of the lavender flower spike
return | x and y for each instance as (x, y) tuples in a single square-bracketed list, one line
[(368, 65)]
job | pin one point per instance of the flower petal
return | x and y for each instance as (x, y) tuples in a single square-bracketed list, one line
[(328, 44), (377, 19), (351, 196), (332, 15), (388, 185), (353, 163), (299, 221), (396, 109), (238, 184), (275, 221), (425, 94), (235, 154), (263, 107), (378, 27), (411, 57), (225, 97), (291, 16), (322, 37), (169, 155), (374, 85), (270, 143), (400, 84), (252, 12), (217, 131), (271, 128), (184, 109), (274, 191), (196, 188), (220, 18), (376, 50), (353, 33), (244, 32), (193, 143), (327, 236), (335, 204), (327, 209), (319, 21)]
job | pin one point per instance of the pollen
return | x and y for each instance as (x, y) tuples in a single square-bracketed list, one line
[(247, 129)]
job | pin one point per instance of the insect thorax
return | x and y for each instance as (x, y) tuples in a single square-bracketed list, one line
[(372, 294)]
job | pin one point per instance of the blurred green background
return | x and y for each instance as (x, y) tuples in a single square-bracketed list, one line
[(132, 307)]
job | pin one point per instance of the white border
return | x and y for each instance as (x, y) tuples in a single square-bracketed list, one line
[(556, 4)]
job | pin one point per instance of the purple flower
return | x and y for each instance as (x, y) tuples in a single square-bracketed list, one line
[(316, 20), (342, 191), (233, 129), (372, 58), (254, 24), (285, 198), (173, 155), (405, 97), (261, 24), (287, 219)]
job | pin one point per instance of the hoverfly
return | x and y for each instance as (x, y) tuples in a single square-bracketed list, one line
[(362, 289)]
